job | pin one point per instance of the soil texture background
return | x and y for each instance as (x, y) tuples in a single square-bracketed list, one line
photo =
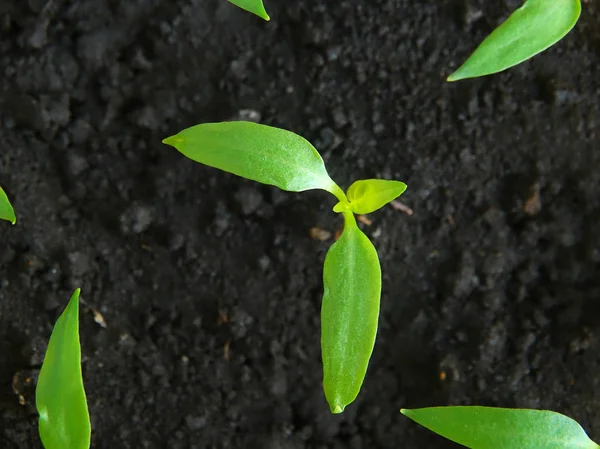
[(200, 322)]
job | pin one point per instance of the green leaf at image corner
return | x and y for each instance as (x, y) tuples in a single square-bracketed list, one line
[(368, 195), (6, 210), (258, 152), (64, 421), (254, 6), (531, 29), (349, 314), (489, 427)]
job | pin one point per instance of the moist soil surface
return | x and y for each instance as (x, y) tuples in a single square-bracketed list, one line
[(201, 291)]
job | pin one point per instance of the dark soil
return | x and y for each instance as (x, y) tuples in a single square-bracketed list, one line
[(210, 285)]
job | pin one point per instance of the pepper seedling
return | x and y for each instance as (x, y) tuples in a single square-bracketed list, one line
[(490, 427), (531, 29), (60, 397), (254, 6), (351, 273), (6, 210)]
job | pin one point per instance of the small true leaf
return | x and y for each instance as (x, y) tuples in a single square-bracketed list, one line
[(349, 314), (253, 6), (258, 152), (60, 397), (368, 195), (534, 27), (6, 210), (489, 427)]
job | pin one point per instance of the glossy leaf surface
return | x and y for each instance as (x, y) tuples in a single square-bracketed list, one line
[(60, 397), (489, 427), (534, 27), (349, 314), (253, 6), (258, 152), (368, 195), (6, 210)]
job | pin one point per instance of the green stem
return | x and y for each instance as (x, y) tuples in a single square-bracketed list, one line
[(335, 190), (349, 219)]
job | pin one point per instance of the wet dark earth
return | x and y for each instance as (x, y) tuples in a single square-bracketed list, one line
[(200, 321)]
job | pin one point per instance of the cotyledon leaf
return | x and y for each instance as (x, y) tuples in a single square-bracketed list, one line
[(6, 210), (368, 195), (349, 313), (534, 27), (253, 6), (489, 427), (60, 397), (258, 152)]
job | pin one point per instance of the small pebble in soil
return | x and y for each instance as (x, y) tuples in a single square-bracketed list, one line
[(136, 219), (320, 234), (249, 198), (80, 263), (221, 221)]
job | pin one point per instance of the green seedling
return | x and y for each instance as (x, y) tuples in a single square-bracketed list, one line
[(6, 210), (254, 6), (531, 29), (60, 397), (351, 275), (490, 427)]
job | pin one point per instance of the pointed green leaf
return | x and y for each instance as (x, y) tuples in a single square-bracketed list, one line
[(60, 397), (258, 152), (342, 206), (534, 27), (349, 314), (368, 195), (6, 210), (489, 427), (253, 6)]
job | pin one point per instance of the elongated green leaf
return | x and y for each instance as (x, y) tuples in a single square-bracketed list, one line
[(253, 6), (6, 210), (489, 427), (60, 397), (368, 195), (257, 152), (349, 314), (534, 27)]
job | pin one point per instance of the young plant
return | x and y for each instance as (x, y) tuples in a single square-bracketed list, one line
[(351, 274), (489, 427), (254, 6), (6, 210), (531, 29), (60, 397)]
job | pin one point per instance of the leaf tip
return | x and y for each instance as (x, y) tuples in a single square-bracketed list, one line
[(74, 302), (336, 409), (405, 412), (454, 76), (173, 140), (342, 206)]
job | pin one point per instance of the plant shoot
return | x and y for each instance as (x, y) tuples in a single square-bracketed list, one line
[(351, 274)]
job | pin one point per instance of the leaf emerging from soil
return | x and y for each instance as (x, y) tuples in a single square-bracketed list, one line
[(258, 152), (349, 314), (6, 210), (60, 397), (489, 427), (253, 6), (534, 27)]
